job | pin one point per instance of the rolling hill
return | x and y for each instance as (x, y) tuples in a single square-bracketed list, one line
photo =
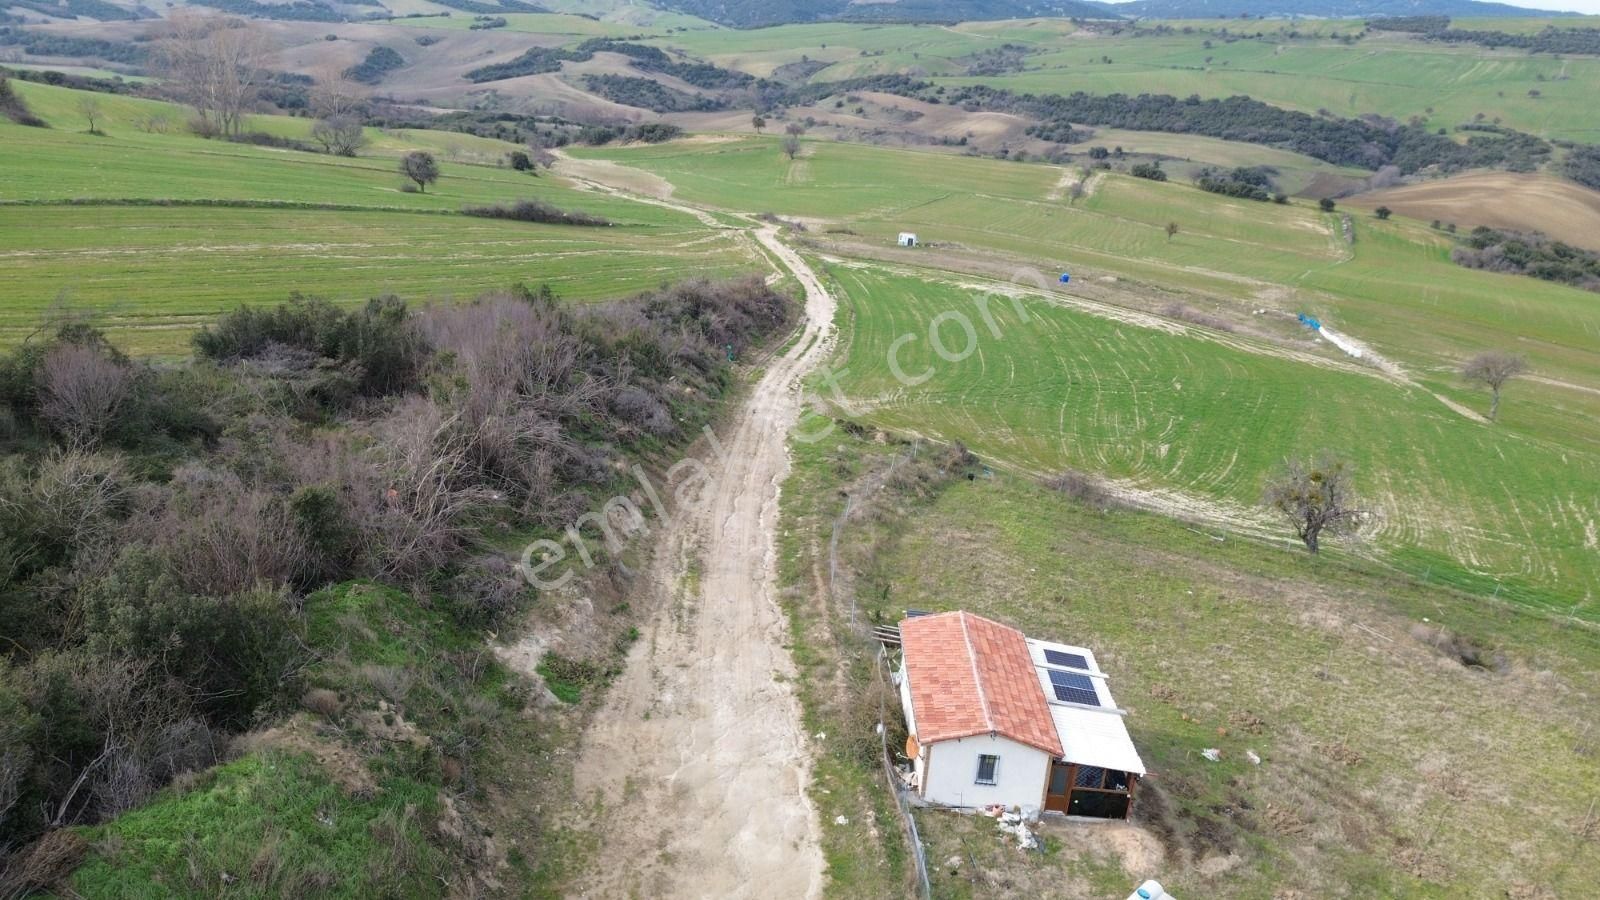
[(1322, 9), (757, 13)]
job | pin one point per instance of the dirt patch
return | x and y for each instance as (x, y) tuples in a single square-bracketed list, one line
[(298, 735), (1140, 852)]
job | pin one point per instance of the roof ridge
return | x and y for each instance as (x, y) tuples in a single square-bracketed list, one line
[(977, 676)]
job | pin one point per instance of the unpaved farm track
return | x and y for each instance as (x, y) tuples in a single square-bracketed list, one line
[(697, 757)]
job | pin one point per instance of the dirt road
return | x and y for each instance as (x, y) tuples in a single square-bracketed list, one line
[(698, 759)]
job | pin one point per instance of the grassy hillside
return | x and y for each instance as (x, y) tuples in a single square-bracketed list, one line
[(152, 271), (1390, 74)]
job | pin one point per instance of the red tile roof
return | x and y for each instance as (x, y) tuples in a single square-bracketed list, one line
[(970, 676)]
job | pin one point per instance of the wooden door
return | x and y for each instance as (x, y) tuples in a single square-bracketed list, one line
[(1059, 787)]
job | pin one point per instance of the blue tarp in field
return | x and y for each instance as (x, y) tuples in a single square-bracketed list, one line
[(1065, 277)]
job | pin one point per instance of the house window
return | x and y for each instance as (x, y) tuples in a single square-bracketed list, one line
[(988, 768)]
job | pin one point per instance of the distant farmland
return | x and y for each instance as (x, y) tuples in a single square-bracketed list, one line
[(155, 233)]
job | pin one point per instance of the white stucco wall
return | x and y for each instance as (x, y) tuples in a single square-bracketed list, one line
[(950, 776), (920, 764)]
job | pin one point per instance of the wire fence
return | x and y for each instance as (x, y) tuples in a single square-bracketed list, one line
[(891, 781), (919, 854)]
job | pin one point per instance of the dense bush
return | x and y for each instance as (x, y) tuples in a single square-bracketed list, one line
[(1246, 182), (1583, 165), (534, 61), (647, 93), (377, 341), (1150, 170), (14, 108), (1529, 254), (380, 61), (646, 132), (477, 7), (535, 211)]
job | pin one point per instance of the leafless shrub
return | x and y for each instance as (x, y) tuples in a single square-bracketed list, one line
[(640, 408), (1084, 488), (427, 511), (323, 702), (43, 864), (81, 390), (489, 589), (79, 496), (222, 536), (1188, 313), (391, 682), (341, 135), (516, 366)]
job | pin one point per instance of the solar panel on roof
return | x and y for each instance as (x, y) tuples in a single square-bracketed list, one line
[(1070, 660), (1073, 688)]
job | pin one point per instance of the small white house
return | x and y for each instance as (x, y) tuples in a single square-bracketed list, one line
[(998, 718), (908, 239)]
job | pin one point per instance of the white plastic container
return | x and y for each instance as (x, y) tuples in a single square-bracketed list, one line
[(1150, 890)]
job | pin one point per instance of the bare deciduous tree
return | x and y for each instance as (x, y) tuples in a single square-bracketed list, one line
[(81, 390), (341, 135), (216, 65), (335, 95), (1076, 192), (1315, 498), (89, 108), (1172, 230), (791, 146), (794, 129), (1492, 369), (758, 123)]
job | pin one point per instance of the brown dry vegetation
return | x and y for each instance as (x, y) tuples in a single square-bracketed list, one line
[(1561, 209)]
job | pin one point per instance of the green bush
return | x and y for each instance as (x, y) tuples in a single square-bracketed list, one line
[(233, 652), (379, 338)]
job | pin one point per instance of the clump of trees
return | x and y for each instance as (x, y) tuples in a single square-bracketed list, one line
[(216, 65), (1150, 170), (1245, 182), (380, 61), (647, 93), (1316, 498), (1367, 141), (14, 108), (1532, 254), (1493, 369)]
